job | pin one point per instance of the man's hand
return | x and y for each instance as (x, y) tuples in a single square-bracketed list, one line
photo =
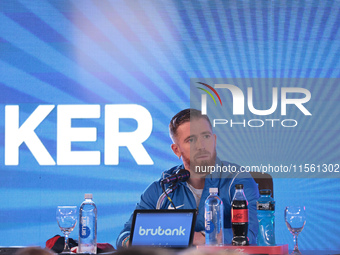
[(199, 239)]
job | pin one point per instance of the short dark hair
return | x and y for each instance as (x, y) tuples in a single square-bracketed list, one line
[(183, 117), (33, 251)]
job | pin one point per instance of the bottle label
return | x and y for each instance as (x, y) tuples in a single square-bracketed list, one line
[(269, 206), (239, 215), (209, 226), (84, 230), (208, 216)]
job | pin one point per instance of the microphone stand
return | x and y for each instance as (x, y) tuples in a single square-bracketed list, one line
[(168, 195)]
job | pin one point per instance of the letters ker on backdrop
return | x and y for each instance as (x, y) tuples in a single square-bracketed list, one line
[(16, 135)]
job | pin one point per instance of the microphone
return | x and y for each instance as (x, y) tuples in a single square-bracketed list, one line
[(182, 176)]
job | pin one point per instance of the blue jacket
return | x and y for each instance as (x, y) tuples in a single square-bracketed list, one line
[(183, 198)]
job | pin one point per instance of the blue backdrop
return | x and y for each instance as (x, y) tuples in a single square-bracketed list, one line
[(144, 53)]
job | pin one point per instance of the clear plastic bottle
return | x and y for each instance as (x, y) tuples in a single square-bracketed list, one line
[(214, 234), (88, 226), (239, 217), (266, 218)]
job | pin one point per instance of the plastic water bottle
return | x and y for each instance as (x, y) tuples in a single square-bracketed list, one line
[(266, 218), (87, 226), (214, 219)]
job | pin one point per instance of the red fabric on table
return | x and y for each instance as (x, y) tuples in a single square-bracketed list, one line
[(56, 244), (50, 242)]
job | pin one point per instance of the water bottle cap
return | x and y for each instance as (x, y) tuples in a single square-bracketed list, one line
[(265, 192), (239, 186), (213, 190), (88, 196)]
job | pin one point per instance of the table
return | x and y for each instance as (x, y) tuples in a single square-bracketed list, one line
[(280, 249), (13, 250), (9, 250), (250, 249)]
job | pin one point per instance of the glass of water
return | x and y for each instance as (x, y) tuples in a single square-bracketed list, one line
[(67, 218), (295, 218)]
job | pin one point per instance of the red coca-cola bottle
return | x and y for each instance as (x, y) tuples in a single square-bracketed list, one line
[(239, 217)]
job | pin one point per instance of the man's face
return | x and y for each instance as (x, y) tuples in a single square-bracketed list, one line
[(196, 144)]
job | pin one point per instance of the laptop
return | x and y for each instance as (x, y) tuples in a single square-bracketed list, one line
[(163, 228)]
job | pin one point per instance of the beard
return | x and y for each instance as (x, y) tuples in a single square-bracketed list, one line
[(195, 163)]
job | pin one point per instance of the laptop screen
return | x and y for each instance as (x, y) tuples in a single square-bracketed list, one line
[(163, 228)]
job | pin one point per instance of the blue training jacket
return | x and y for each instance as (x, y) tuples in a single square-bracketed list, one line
[(183, 198)]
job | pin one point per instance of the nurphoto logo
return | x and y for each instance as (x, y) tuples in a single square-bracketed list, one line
[(298, 97)]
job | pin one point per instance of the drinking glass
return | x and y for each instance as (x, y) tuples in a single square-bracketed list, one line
[(67, 218), (295, 218)]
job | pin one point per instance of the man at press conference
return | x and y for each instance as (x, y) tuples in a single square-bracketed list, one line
[(195, 143)]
